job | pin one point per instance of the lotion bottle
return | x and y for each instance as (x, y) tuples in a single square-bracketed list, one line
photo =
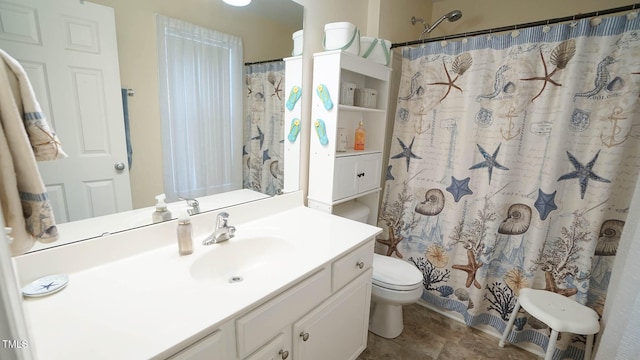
[(162, 213), (358, 144), (185, 242)]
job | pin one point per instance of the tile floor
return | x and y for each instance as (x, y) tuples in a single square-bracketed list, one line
[(429, 335)]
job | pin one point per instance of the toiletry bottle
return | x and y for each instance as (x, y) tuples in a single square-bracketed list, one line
[(161, 214), (358, 144), (185, 243)]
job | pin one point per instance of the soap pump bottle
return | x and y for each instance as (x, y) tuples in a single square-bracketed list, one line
[(185, 242), (162, 213), (360, 135)]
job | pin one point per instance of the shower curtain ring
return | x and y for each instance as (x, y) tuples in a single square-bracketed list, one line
[(573, 23)]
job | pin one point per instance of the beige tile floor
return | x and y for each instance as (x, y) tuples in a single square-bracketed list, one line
[(429, 335)]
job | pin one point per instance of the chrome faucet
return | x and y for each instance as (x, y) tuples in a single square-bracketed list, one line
[(222, 232), (193, 206)]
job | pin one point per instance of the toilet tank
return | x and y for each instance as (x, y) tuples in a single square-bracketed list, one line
[(352, 210)]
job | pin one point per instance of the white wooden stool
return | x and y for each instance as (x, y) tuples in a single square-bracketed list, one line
[(560, 313)]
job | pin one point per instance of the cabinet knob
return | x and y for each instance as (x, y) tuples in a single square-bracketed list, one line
[(284, 354), (360, 264), (304, 336)]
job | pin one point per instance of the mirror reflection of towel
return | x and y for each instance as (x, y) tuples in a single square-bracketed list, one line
[(127, 132), (25, 137)]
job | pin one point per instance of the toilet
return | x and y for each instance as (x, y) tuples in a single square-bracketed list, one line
[(394, 282)]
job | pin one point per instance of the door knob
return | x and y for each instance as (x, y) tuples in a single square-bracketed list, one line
[(119, 166)]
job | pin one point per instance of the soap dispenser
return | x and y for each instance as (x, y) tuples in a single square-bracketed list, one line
[(358, 144), (185, 242), (162, 213)]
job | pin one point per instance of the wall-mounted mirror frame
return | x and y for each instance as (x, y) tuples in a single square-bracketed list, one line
[(265, 28)]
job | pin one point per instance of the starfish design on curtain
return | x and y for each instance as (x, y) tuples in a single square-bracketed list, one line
[(471, 269), (277, 90), (260, 136), (560, 57), (583, 172), (459, 188), (389, 174), (460, 65), (265, 156), (545, 203), (489, 161), (392, 243), (406, 152)]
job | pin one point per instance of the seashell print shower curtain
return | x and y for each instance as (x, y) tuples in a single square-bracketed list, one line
[(512, 165), (263, 148)]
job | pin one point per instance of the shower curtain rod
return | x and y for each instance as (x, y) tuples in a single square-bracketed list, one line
[(262, 62), (519, 26)]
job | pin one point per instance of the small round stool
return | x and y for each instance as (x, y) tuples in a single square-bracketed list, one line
[(560, 313)]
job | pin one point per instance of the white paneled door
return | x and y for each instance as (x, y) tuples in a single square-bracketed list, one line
[(69, 50)]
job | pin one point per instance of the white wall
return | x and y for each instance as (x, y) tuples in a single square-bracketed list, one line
[(487, 14)]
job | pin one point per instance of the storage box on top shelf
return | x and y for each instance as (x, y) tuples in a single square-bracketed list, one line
[(343, 36)]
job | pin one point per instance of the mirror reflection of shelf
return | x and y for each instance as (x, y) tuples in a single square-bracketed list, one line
[(361, 109), (351, 152)]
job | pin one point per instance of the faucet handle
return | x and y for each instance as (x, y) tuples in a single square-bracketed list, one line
[(222, 220), (193, 206)]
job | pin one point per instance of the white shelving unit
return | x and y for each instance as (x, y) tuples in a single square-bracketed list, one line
[(338, 177)]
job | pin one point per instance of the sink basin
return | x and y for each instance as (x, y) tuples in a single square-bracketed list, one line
[(241, 256)]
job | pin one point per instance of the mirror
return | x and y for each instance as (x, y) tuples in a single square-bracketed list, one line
[(265, 26)]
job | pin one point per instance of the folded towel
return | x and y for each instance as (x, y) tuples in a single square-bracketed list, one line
[(25, 137)]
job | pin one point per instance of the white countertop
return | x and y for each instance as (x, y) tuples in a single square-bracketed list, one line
[(147, 304)]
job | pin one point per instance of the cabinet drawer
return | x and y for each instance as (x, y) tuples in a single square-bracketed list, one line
[(351, 265), (263, 323), (356, 174), (211, 347), (275, 349)]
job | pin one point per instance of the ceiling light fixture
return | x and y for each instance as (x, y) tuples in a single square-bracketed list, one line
[(237, 2)]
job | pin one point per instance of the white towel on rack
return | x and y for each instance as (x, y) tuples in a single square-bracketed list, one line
[(25, 137)]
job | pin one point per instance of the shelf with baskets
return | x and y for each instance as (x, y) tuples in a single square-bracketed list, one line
[(337, 176)]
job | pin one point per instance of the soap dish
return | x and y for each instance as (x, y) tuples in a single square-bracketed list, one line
[(46, 285)]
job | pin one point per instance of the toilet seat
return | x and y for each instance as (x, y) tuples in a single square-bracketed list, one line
[(395, 274)]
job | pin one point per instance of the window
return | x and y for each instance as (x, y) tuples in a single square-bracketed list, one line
[(200, 85)]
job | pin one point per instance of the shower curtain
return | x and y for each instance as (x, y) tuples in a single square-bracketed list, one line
[(263, 149), (512, 165)]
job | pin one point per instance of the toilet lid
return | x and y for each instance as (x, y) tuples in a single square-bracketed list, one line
[(395, 274)]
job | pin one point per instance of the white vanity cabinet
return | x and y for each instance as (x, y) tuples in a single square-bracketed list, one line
[(323, 317), (337, 177), (338, 328)]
